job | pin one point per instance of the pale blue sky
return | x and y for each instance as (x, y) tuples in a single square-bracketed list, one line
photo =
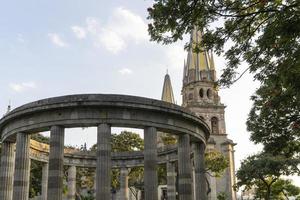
[(51, 48)]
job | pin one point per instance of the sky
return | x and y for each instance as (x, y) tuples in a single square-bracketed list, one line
[(54, 48)]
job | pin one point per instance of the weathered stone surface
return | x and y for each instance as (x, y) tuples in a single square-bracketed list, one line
[(184, 168), (71, 182), (104, 111), (7, 170), (94, 109), (103, 182), (150, 163), (56, 160), (45, 172), (22, 168), (199, 161), (171, 181)]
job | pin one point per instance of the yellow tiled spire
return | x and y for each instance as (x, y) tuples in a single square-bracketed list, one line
[(199, 65), (167, 93), (200, 60)]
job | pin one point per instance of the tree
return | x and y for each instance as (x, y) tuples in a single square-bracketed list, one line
[(283, 189), (265, 35), (263, 171), (36, 169), (215, 163), (126, 141)]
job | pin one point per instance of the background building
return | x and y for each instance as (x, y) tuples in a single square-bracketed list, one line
[(200, 95)]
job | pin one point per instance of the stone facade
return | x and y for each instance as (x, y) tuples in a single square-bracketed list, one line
[(200, 96), (105, 111)]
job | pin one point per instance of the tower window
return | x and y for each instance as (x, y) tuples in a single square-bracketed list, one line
[(201, 93), (209, 93), (214, 125), (190, 96)]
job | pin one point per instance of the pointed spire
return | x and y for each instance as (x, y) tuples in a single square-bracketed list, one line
[(200, 65), (167, 93), (200, 59)]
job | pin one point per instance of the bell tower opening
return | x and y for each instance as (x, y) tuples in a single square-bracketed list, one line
[(214, 125)]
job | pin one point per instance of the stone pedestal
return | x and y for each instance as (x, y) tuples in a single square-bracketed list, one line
[(171, 181), (71, 182), (124, 183), (200, 177), (45, 181), (22, 168), (103, 182), (56, 161), (150, 164), (7, 167), (184, 168)]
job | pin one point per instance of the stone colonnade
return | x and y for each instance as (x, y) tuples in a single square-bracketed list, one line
[(15, 168)]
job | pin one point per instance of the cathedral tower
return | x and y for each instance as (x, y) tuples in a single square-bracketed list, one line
[(200, 95)]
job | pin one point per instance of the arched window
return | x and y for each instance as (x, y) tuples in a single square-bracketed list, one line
[(201, 92), (214, 125), (190, 96), (209, 93)]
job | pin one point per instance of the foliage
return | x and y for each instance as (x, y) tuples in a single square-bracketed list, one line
[(168, 139), (36, 169), (276, 108), (162, 174), (126, 141), (281, 189), (215, 162), (263, 171), (222, 196), (40, 138), (35, 178), (263, 34)]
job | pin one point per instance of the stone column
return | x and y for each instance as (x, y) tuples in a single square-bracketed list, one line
[(7, 167), (71, 182), (22, 167), (124, 183), (56, 163), (171, 181), (193, 183), (45, 181), (184, 168), (103, 189), (150, 164), (200, 181)]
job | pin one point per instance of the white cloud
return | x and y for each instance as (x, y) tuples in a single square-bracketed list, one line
[(122, 28), (92, 25), (20, 87), (128, 25), (112, 41), (79, 32), (20, 38), (125, 71), (56, 40), (175, 55)]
